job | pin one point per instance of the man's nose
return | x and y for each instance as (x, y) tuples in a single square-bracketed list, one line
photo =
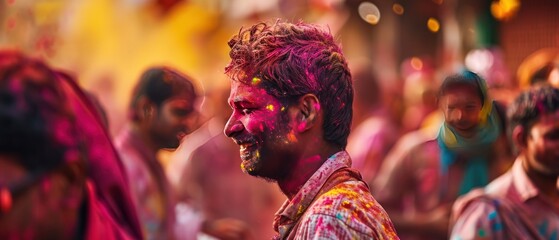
[(232, 127), (457, 114)]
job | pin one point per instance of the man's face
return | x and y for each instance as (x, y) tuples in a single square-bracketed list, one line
[(175, 118), (260, 125), (461, 107), (542, 144), (33, 211)]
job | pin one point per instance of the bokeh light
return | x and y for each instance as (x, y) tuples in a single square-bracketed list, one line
[(479, 60), (505, 9), (433, 25), (398, 8), (416, 63), (369, 12)]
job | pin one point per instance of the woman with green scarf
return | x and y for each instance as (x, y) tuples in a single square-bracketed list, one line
[(469, 151)]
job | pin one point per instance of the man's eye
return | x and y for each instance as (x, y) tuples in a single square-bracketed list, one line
[(247, 110)]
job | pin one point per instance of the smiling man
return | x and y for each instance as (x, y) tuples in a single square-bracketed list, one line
[(162, 111), (291, 94)]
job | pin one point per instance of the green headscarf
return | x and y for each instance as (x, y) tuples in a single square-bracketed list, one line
[(479, 146)]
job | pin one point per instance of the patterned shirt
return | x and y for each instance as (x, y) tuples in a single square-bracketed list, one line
[(530, 214), (334, 204)]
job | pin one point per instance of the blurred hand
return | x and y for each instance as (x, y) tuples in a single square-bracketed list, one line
[(227, 229)]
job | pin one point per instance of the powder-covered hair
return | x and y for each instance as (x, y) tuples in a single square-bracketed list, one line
[(292, 60), (531, 104)]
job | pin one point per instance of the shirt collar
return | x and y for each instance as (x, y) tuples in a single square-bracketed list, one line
[(522, 183), (294, 208)]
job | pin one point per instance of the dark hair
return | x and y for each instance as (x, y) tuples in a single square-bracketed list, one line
[(159, 84), (464, 79), (531, 104), (293, 60), (33, 115)]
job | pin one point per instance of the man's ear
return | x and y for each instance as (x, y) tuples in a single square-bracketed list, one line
[(308, 110), (145, 109), (519, 137)]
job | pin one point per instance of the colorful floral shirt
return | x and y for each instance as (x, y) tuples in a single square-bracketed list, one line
[(530, 212), (334, 204)]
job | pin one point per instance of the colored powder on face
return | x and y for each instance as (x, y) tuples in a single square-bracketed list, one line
[(256, 81), (270, 107), (291, 137), (245, 169)]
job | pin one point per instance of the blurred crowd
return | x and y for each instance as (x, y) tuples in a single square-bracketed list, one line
[(125, 103)]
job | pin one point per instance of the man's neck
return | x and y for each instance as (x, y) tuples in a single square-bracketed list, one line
[(144, 137), (545, 183), (303, 171)]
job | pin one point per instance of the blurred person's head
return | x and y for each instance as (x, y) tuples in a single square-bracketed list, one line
[(42, 163), (163, 106), (291, 94), (367, 90), (534, 128), (461, 98)]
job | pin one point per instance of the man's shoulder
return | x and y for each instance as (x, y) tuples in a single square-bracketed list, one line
[(501, 186), (349, 204), (342, 195), (484, 199)]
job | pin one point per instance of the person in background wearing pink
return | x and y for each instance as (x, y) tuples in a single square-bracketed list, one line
[(524, 202), (419, 189), (373, 132), (60, 177), (162, 111), (291, 94)]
